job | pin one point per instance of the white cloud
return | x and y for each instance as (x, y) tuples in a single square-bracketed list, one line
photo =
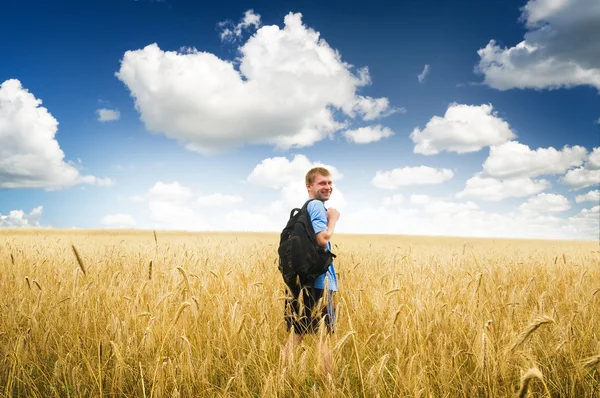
[(411, 176), (118, 220), (464, 128), (444, 207), (172, 205), (419, 199), (593, 161), (392, 200), (370, 108), (30, 156), (591, 213), (560, 48), (243, 220), (231, 32), (175, 215), (217, 199), (586, 175), (545, 203), (18, 218), (101, 182), (465, 219), (581, 178), (279, 172), (513, 159), (169, 192), (591, 196), (424, 74), (108, 115), (365, 135), (288, 85), (495, 190)]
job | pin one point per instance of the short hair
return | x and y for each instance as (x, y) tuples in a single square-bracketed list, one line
[(312, 173)]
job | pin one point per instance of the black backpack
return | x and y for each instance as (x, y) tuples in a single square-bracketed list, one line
[(300, 256)]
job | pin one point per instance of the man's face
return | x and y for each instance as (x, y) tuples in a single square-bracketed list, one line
[(321, 188)]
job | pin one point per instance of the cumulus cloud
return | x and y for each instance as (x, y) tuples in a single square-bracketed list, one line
[(560, 48), (586, 175), (464, 128), (513, 159), (30, 156), (419, 199), (108, 115), (19, 219), (365, 135), (283, 91), (424, 74), (172, 205), (118, 220), (495, 190), (420, 175), (392, 200), (230, 32), (594, 212), (440, 217), (591, 196), (545, 203), (218, 199)]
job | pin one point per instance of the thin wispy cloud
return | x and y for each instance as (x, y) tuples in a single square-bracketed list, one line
[(423, 75)]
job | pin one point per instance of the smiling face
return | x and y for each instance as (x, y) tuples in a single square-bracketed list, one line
[(320, 188)]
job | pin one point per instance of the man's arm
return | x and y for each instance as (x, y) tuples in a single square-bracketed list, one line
[(324, 236)]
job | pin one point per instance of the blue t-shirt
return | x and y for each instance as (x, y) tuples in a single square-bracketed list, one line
[(318, 216)]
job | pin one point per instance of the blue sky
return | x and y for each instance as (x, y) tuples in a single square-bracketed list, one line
[(437, 118)]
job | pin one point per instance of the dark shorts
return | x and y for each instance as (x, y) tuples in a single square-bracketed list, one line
[(305, 307)]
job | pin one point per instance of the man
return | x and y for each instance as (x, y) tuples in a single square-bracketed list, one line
[(310, 303)]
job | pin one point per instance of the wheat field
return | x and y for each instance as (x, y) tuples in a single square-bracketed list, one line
[(167, 314)]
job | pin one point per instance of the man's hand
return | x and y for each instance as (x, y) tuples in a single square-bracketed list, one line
[(332, 218), (332, 214)]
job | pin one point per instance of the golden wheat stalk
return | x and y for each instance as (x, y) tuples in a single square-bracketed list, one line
[(185, 277), (591, 362), (533, 373), (533, 326), (79, 261)]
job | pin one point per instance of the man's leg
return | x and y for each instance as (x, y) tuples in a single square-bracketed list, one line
[(294, 316), (327, 319), (287, 352)]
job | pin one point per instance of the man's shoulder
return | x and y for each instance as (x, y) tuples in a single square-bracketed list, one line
[(316, 206)]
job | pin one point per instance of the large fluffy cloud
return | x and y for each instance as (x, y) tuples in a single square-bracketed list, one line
[(30, 156), (586, 175), (560, 49), (514, 159), (591, 196), (420, 175), (172, 205), (464, 128), (284, 91), (18, 218), (495, 190), (545, 203)]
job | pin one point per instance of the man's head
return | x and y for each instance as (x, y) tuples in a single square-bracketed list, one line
[(319, 184)]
